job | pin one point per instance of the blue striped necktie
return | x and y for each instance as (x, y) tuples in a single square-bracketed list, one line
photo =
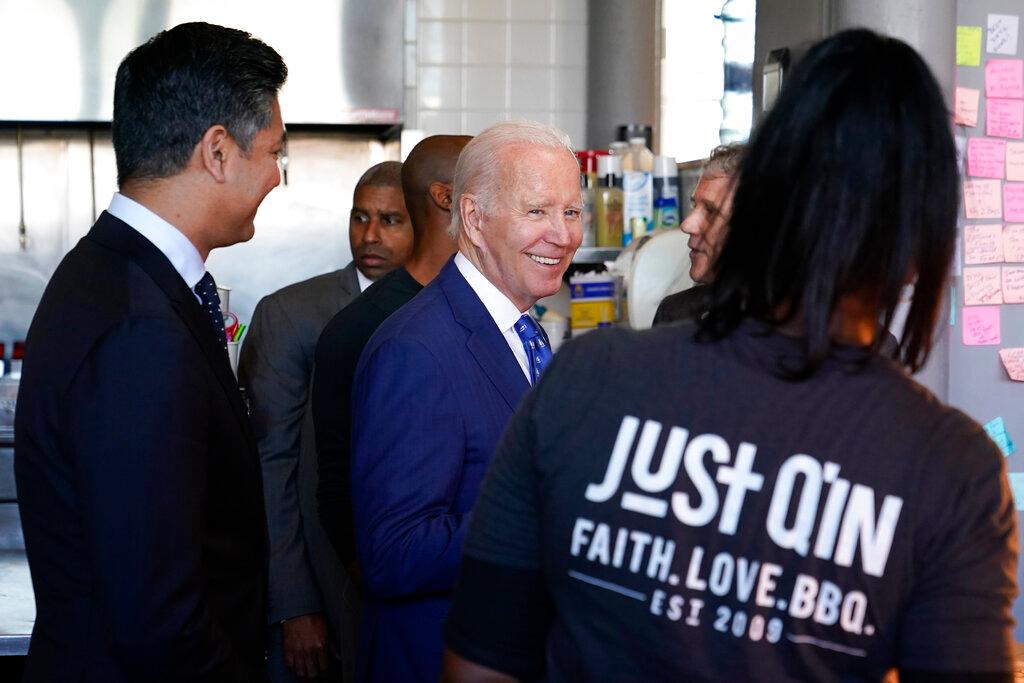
[(538, 350), (206, 288)]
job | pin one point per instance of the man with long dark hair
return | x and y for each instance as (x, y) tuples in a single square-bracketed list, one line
[(761, 494), (138, 477)]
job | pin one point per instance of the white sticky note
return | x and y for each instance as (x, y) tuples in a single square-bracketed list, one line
[(983, 244), (983, 286), (1002, 34)]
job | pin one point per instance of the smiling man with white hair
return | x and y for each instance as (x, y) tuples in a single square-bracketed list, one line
[(440, 379)]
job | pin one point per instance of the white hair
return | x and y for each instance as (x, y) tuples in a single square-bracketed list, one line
[(478, 171)]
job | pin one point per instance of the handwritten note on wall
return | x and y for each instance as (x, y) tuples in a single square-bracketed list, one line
[(996, 430), (1002, 34), (965, 109), (1013, 284), (1004, 78), (1004, 118), (968, 45), (1013, 243), (1013, 202), (983, 244), (1013, 361), (983, 286), (983, 199), (1015, 161), (986, 158), (981, 326)]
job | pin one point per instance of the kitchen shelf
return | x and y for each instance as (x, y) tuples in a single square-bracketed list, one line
[(596, 254)]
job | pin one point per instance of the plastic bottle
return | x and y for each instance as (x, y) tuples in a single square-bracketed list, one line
[(638, 191), (608, 201), (642, 158), (589, 224), (666, 192), (621, 149)]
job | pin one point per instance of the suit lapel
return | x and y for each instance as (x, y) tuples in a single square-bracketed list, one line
[(485, 341), (347, 286), (117, 235)]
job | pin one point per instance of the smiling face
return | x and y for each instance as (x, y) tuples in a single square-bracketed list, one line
[(708, 223), (526, 238), (379, 230)]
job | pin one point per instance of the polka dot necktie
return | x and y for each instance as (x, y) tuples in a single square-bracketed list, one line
[(538, 350), (206, 288)]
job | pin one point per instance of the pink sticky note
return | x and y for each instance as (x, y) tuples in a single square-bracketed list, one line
[(981, 326), (1004, 118), (983, 199), (983, 244), (1015, 160), (1013, 284), (1013, 202), (1004, 78), (1013, 361), (986, 158), (965, 109), (983, 286), (1013, 243)]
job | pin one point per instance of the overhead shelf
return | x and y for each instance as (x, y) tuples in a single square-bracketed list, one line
[(596, 254)]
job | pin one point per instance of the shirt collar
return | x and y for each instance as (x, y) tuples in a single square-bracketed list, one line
[(501, 308), (171, 242), (364, 281)]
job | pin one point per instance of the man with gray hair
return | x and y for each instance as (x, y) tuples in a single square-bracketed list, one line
[(707, 224), (439, 380)]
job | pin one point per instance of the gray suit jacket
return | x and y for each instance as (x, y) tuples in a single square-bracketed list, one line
[(305, 574)]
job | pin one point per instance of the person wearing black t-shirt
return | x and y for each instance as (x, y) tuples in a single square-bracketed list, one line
[(760, 494), (427, 176)]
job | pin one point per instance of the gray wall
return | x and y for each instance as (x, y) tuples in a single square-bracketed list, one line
[(785, 23), (621, 74)]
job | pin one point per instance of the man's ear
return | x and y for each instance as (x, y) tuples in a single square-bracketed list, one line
[(441, 193), (213, 151), (471, 215)]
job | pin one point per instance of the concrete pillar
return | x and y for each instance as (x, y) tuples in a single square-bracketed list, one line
[(927, 25), (621, 74)]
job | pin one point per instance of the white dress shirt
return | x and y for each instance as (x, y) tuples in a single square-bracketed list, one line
[(171, 242), (364, 281), (502, 310)]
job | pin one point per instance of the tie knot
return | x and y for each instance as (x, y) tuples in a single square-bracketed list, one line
[(206, 288), (535, 343), (526, 328)]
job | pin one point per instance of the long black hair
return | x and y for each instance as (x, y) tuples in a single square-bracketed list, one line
[(849, 187)]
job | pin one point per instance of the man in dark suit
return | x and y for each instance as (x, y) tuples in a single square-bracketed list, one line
[(427, 176), (309, 589), (707, 225), (137, 473), (439, 380)]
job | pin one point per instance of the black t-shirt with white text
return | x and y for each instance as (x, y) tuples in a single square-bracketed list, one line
[(692, 515)]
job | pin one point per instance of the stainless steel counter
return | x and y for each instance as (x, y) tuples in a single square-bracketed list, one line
[(17, 603)]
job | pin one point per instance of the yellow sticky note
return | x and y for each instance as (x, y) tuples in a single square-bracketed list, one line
[(968, 46)]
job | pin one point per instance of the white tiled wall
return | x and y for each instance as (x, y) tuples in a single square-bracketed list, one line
[(471, 63)]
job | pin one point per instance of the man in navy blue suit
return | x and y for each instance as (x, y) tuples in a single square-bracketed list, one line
[(137, 472), (440, 379)]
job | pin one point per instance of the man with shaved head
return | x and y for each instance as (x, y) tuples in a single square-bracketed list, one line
[(309, 599), (427, 176)]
